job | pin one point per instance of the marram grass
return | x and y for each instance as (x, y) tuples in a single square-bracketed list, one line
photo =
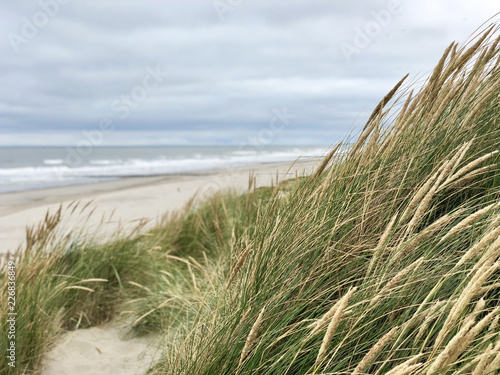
[(406, 217), (386, 260)]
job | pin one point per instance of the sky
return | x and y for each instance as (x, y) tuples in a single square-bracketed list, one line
[(191, 72)]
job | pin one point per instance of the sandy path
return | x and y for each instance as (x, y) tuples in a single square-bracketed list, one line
[(110, 349)]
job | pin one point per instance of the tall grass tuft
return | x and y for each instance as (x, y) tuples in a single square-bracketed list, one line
[(408, 215)]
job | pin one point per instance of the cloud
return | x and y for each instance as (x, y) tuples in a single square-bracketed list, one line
[(225, 75)]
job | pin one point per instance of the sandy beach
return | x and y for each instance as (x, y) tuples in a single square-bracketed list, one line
[(122, 203)]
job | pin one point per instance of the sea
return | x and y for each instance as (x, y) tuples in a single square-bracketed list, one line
[(29, 168)]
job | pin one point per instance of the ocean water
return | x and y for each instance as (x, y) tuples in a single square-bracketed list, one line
[(27, 168)]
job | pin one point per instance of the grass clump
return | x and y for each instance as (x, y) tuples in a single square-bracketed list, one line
[(404, 222), (65, 285)]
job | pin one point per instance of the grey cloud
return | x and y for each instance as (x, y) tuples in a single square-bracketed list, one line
[(223, 75)]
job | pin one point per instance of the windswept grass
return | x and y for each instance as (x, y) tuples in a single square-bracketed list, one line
[(386, 260)]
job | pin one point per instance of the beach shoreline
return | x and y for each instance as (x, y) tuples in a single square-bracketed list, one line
[(120, 204)]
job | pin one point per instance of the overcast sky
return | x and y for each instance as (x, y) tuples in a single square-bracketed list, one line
[(213, 72)]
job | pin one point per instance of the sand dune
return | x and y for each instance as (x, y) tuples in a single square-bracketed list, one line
[(110, 349)]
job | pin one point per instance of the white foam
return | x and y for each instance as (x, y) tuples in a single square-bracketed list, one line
[(54, 172), (53, 161)]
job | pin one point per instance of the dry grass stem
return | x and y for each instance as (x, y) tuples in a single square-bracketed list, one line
[(252, 336), (466, 222), (332, 326), (238, 265), (375, 351)]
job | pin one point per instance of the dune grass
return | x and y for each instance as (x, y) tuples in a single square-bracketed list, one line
[(385, 260), (64, 283), (65, 286)]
